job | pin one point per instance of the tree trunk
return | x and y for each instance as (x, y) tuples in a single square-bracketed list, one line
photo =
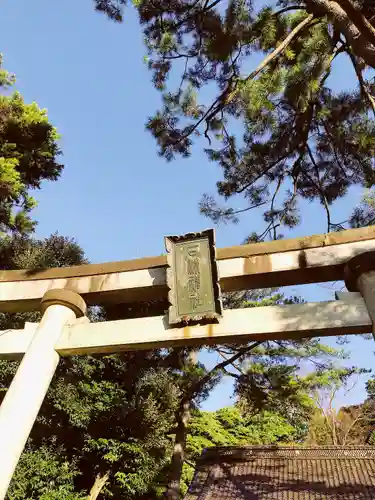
[(361, 40), (100, 482), (183, 415), (178, 457), (334, 423)]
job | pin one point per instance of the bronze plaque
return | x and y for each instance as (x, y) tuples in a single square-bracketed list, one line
[(192, 278)]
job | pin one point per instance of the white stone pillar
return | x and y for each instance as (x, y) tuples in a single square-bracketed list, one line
[(360, 277), (26, 393)]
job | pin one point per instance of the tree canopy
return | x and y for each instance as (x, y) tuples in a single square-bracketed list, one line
[(110, 425), (28, 155), (105, 424), (130, 425), (278, 129)]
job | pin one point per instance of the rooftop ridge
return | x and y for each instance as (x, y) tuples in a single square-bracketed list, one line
[(312, 452)]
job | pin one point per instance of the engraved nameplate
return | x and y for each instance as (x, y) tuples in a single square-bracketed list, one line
[(192, 278)]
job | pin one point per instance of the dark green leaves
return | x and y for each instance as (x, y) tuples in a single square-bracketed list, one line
[(278, 130)]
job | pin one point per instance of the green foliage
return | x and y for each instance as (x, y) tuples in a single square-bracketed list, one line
[(45, 471), (115, 413), (112, 8), (364, 214), (116, 416), (20, 252), (24, 252), (280, 132), (46, 475), (257, 298), (229, 427), (28, 153), (109, 414)]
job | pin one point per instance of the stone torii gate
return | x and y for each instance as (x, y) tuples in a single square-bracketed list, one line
[(62, 295)]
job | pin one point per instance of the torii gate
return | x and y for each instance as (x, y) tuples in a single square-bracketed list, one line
[(62, 295)]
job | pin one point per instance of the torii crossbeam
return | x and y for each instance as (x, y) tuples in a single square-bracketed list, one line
[(63, 293), (312, 259)]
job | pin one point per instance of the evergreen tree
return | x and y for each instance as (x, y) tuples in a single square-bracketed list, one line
[(104, 427), (44, 471), (266, 378), (28, 155), (279, 132), (351, 19), (111, 425), (229, 427)]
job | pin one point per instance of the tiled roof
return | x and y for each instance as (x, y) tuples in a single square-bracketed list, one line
[(285, 473)]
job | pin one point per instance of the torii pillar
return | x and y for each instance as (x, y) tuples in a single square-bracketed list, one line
[(26, 393), (360, 277)]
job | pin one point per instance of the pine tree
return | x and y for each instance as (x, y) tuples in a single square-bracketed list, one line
[(279, 132)]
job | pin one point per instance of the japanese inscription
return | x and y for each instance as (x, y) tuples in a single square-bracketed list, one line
[(192, 278)]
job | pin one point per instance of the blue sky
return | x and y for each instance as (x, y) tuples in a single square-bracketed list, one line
[(116, 196)]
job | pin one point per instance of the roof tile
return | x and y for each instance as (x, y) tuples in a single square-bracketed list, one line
[(285, 473)]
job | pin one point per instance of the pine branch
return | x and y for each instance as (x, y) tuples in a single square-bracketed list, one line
[(267, 230), (263, 172), (232, 375), (283, 45), (208, 115), (180, 56), (278, 185), (362, 83), (241, 210), (334, 150), (211, 6), (226, 96), (235, 365), (205, 9), (320, 188), (197, 386), (287, 9), (354, 36), (183, 75), (361, 22)]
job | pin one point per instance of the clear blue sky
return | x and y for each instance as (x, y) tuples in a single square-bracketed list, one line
[(116, 196)]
